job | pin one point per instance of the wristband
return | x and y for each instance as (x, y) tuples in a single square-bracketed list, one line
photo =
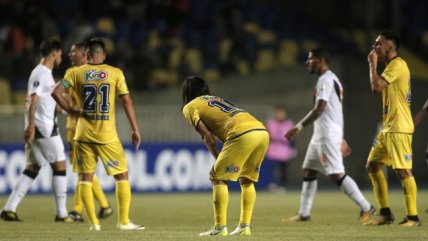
[(299, 126)]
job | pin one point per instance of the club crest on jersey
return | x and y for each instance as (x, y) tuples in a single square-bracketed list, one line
[(112, 163), (231, 169), (408, 157), (258, 169), (94, 75)]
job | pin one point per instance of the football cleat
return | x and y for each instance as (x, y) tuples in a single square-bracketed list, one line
[(95, 227), (130, 226), (365, 216), (221, 231), (243, 230), (9, 216), (66, 219), (380, 220), (406, 222), (105, 212), (296, 218), (77, 217)]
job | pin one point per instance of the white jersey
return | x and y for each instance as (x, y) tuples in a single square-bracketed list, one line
[(41, 83), (329, 126)]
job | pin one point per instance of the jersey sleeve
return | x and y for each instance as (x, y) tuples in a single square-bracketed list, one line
[(36, 85), (121, 88), (324, 89), (192, 115), (392, 71)]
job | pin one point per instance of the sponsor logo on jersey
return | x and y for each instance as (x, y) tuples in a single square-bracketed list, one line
[(408, 157), (231, 169), (112, 163), (94, 75), (36, 83)]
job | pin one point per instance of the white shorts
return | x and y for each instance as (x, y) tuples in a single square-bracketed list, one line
[(45, 150), (324, 157)]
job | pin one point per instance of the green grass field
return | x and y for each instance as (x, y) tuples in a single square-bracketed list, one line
[(183, 216)]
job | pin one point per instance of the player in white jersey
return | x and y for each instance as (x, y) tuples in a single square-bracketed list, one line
[(325, 150), (43, 144)]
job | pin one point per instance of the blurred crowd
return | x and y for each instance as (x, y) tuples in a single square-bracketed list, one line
[(158, 42)]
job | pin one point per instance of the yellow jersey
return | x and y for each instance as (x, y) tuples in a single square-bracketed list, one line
[(71, 122), (223, 119), (396, 98), (96, 86)]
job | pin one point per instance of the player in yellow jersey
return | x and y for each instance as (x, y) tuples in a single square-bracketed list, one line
[(393, 145), (97, 85), (78, 57), (245, 144)]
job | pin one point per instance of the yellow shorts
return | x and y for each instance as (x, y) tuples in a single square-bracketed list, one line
[(71, 156), (392, 149), (112, 155), (242, 157)]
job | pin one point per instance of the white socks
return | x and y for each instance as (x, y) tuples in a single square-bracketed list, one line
[(309, 189), (351, 189), (59, 188), (18, 193)]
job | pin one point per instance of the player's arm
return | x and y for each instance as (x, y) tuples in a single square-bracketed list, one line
[(59, 94), (128, 106), (421, 114), (377, 82), (30, 131), (208, 138), (314, 114)]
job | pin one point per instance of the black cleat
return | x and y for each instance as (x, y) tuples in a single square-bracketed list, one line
[(105, 212), (77, 217), (67, 219), (9, 216)]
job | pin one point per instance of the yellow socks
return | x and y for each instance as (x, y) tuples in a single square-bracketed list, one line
[(88, 201), (380, 188), (220, 201), (99, 193), (123, 198), (78, 204), (410, 189), (248, 198)]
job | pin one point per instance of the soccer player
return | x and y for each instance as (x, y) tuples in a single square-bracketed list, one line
[(79, 57), (393, 145), (43, 143), (327, 146), (245, 142), (97, 85)]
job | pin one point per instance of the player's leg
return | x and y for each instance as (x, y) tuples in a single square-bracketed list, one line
[(87, 153), (336, 171), (311, 167), (378, 157), (77, 210), (119, 170), (53, 150), (400, 148), (35, 160), (220, 203), (255, 143), (19, 191), (105, 210)]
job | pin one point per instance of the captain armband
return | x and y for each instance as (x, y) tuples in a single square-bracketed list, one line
[(65, 83)]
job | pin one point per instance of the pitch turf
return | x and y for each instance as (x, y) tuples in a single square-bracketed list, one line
[(183, 216)]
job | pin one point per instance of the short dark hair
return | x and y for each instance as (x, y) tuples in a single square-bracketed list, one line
[(321, 53), (49, 45), (194, 86), (94, 44), (392, 36), (81, 45)]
